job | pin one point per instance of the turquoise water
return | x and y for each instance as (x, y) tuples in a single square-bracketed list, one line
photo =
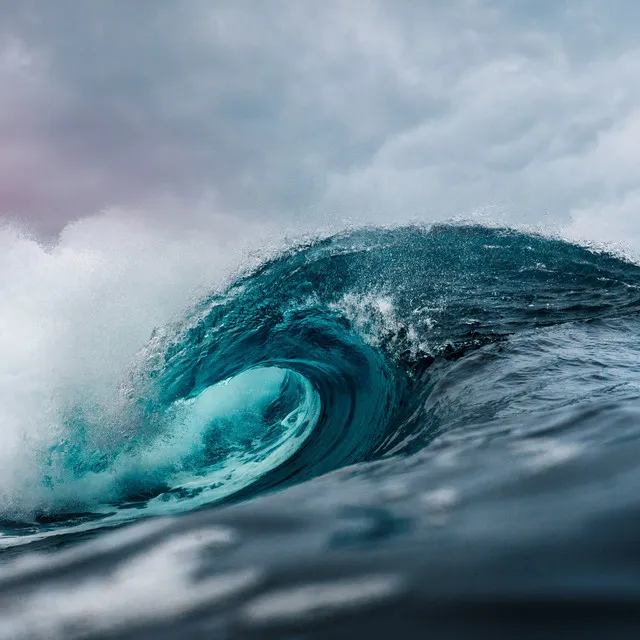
[(475, 386)]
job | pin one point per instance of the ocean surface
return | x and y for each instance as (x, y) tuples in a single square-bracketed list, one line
[(412, 432)]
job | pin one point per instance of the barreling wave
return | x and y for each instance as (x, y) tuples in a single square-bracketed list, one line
[(329, 355)]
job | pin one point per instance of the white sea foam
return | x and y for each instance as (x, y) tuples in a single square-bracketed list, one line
[(72, 317), (375, 318)]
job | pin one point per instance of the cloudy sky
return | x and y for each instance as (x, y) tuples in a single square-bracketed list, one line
[(308, 112)]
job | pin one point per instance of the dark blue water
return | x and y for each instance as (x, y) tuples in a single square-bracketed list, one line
[(411, 431)]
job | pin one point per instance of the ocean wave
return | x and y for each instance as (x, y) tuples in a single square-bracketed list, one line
[(332, 353)]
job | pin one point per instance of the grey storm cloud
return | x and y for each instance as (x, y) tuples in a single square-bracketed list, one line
[(375, 111)]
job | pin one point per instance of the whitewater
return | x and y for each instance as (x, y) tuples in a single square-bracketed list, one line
[(422, 429)]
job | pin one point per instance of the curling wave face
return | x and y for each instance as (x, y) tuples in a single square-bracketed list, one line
[(335, 353)]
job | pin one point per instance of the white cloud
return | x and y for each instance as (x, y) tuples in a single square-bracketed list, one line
[(302, 111)]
